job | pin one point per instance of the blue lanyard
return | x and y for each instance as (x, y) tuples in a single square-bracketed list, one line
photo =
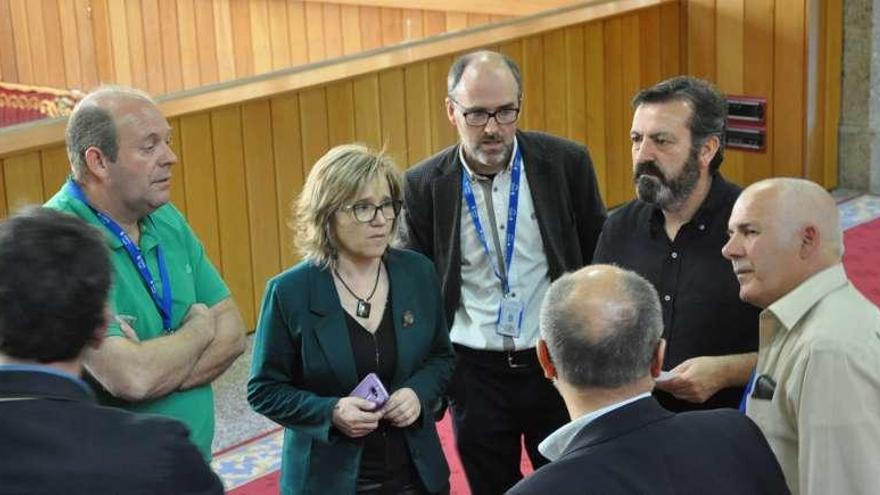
[(512, 208), (750, 385), (163, 303)]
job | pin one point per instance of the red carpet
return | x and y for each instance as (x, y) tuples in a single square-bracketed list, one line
[(861, 263)]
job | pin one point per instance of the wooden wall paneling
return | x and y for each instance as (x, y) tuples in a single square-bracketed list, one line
[(474, 20), (8, 63), (232, 211), (340, 112), (198, 161), (392, 102), (443, 133), (788, 90), (814, 108), (701, 38), (315, 31), (758, 79), (241, 38), (351, 29), (621, 180), (367, 111), (615, 99), (155, 70), (314, 125), (371, 28), (532, 67), (137, 56), (670, 29), (55, 64), (178, 186), (279, 34), (729, 17), (299, 44), (456, 21), (189, 44), (225, 40), (554, 74), (413, 25), (24, 181), (39, 50), (119, 43), (286, 147), (832, 55), (434, 22), (55, 168), (3, 209), (260, 36), (392, 26), (594, 98), (649, 47), (262, 207), (69, 50), (333, 44), (22, 40), (575, 81), (172, 63), (103, 45), (86, 42), (418, 114), (207, 45)]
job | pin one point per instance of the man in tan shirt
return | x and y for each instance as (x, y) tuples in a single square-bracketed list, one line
[(816, 391)]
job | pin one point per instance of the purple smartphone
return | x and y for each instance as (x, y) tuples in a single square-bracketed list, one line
[(371, 388)]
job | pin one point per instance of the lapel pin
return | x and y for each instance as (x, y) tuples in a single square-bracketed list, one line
[(408, 319)]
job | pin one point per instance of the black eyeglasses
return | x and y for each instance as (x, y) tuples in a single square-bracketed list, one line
[(366, 212), (479, 118)]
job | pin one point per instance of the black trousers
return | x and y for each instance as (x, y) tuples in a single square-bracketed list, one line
[(498, 399)]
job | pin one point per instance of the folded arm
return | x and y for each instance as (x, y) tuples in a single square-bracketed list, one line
[(228, 344)]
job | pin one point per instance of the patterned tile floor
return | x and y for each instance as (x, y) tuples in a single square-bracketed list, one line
[(239, 464)]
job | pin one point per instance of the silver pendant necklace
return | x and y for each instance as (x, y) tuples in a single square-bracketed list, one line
[(362, 310)]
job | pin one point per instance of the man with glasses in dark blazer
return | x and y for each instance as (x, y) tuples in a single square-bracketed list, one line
[(501, 214)]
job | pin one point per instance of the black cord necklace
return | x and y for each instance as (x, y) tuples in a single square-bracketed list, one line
[(363, 305)]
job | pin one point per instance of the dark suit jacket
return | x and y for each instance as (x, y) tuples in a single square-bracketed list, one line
[(303, 364), (643, 448), (564, 191), (54, 439)]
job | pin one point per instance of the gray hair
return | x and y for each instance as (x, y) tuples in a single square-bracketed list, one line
[(461, 63), (606, 344)]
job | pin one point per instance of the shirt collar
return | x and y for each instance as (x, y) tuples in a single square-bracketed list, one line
[(49, 370), (556, 444), (474, 176), (790, 308)]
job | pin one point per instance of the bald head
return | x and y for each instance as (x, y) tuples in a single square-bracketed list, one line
[(482, 62), (602, 325), (782, 231)]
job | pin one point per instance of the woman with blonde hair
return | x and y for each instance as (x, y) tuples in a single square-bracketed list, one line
[(353, 306)]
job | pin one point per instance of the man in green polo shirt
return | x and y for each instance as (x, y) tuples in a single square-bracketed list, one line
[(176, 327)]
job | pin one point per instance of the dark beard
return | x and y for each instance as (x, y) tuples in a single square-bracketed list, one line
[(667, 194)]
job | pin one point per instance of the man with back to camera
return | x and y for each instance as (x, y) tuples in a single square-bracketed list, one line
[(601, 345), (816, 394), (177, 328), (53, 305), (672, 235), (501, 214)]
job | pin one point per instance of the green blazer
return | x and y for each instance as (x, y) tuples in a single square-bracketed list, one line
[(303, 364)]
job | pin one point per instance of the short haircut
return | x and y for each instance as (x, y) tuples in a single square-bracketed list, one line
[(55, 280), (333, 182), (708, 109), (461, 63), (606, 351), (92, 125)]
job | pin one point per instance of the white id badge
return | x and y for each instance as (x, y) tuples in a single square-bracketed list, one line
[(510, 318)]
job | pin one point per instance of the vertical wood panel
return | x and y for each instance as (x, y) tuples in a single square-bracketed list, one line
[(286, 145), (833, 52), (392, 101), (87, 44), (729, 44), (56, 69), (241, 38), (758, 79), (615, 100), (332, 31), (198, 174), (39, 50), (392, 26), (189, 44), (171, 58), (632, 82), (299, 45), (103, 45), (418, 115), (351, 29), (474, 20), (279, 34), (555, 73), (24, 181), (532, 67), (314, 119), (442, 132), (649, 47), (701, 38), (235, 258), (225, 40), (367, 113), (788, 90), (371, 28), (137, 57), (434, 22), (204, 18), (340, 111), (153, 39), (413, 25), (69, 49), (22, 40), (260, 37), (119, 43), (55, 169), (670, 29), (594, 96), (8, 63), (261, 194), (456, 21), (575, 82)]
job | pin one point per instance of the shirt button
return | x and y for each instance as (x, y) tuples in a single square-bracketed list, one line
[(674, 255), (667, 298), (501, 227), (702, 227), (495, 189)]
